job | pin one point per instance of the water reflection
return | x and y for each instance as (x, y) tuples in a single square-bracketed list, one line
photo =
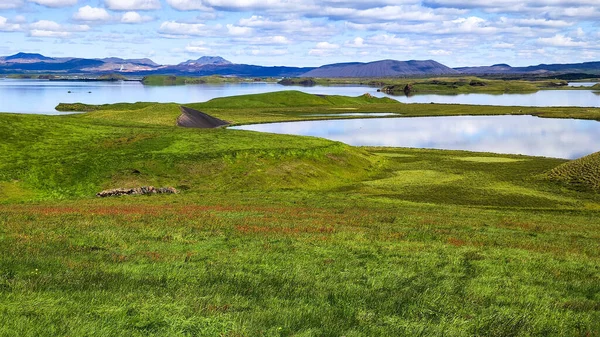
[(41, 96), (582, 84), (528, 135), (542, 98)]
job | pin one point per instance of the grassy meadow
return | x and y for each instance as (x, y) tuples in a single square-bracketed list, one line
[(443, 85), (276, 235)]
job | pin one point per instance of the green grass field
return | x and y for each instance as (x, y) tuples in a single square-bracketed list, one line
[(442, 85), (276, 235)]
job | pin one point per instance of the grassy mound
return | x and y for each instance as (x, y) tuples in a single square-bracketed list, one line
[(582, 174), (292, 98), (73, 156)]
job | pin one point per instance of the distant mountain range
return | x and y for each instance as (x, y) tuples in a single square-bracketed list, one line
[(29, 63), (385, 68)]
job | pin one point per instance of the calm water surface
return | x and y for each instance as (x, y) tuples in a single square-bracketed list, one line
[(528, 135), (542, 98), (582, 84), (41, 96)]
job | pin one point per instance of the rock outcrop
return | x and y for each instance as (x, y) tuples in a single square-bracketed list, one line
[(136, 191), (191, 118)]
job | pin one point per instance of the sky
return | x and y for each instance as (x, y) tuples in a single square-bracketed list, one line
[(307, 32)]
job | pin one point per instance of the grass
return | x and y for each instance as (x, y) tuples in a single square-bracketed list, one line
[(182, 80), (442, 85), (279, 235), (583, 173), (295, 105)]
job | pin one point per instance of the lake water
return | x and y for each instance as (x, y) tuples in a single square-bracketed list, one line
[(582, 84), (542, 98), (41, 96), (528, 135)]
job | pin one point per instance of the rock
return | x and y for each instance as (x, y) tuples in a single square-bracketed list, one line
[(136, 191)]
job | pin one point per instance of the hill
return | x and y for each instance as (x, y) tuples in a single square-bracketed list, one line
[(384, 68), (581, 174), (586, 68), (204, 60)]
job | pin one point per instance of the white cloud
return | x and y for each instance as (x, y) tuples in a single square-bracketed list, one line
[(559, 40), (185, 29), (55, 3), (268, 52), (131, 5), (5, 26), (239, 31), (10, 4), (358, 42), (134, 17), (46, 28), (198, 47), (440, 52), (263, 40), (324, 49), (88, 13), (503, 45), (188, 5)]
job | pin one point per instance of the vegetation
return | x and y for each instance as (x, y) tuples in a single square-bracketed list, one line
[(583, 173), (470, 85), (182, 80), (280, 235), (442, 85), (112, 77)]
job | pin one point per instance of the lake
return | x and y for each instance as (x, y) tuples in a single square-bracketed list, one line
[(542, 98), (527, 135), (41, 96)]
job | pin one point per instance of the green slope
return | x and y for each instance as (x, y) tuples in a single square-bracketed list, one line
[(583, 173)]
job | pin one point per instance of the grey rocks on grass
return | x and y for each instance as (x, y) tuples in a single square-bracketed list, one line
[(136, 191)]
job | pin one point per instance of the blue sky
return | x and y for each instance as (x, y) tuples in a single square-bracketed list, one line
[(307, 32)]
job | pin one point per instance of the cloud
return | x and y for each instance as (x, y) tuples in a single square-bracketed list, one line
[(559, 40), (198, 47), (188, 5), (263, 40), (503, 45), (324, 49), (130, 5), (134, 17), (10, 4), (440, 52), (183, 29), (239, 31), (5, 26), (88, 13), (55, 3), (46, 28), (301, 29), (268, 52)]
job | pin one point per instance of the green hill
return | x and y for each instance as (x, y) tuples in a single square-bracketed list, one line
[(583, 173)]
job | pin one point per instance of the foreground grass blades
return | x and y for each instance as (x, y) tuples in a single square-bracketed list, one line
[(283, 236)]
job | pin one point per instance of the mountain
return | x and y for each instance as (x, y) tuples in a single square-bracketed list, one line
[(385, 68), (31, 63), (586, 68), (26, 58), (145, 61), (206, 60)]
